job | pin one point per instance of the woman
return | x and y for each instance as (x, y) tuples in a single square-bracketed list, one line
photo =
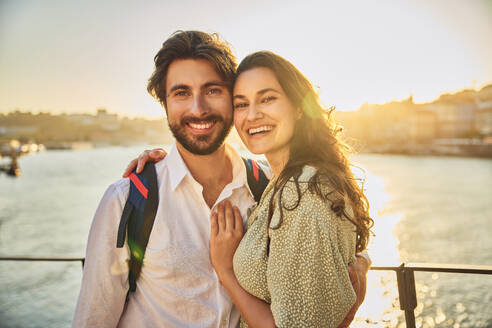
[(289, 269)]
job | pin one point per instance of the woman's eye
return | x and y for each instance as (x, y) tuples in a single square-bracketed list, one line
[(240, 105), (268, 99)]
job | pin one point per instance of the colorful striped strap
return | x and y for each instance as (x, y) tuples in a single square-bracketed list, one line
[(140, 186)]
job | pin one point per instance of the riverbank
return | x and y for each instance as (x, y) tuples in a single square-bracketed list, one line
[(440, 147)]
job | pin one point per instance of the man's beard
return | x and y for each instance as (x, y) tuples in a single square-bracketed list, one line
[(201, 144)]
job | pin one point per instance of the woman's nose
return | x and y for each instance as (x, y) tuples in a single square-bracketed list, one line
[(254, 113)]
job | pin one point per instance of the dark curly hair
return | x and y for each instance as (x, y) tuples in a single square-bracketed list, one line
[(191, 45), (315, 142)]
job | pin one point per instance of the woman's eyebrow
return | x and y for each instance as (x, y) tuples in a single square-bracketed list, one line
[(259, 93), (263, 91), (239, 97)]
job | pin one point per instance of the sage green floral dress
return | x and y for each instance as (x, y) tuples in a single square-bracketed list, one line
[(304, 276)]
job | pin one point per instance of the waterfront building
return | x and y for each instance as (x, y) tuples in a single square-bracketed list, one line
[(483, 121), (82, 119), (423, 125), (107, 121), (455, 114)]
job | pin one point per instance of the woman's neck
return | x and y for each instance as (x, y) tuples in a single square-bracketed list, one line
[(278, 159)]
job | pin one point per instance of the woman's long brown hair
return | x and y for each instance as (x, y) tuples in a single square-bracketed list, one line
[(315, 142)]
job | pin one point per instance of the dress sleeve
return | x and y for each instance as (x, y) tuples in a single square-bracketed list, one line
[(105, 278), (307, 271)]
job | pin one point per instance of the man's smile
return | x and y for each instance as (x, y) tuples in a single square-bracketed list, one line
[(201, 127)]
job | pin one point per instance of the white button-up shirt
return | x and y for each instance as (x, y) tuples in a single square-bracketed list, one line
[(178, 286)]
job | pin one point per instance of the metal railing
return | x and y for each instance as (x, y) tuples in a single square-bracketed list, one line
[(404, 276), (406, 281), (44, 259)]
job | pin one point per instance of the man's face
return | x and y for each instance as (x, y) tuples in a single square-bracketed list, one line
[(199, 105)]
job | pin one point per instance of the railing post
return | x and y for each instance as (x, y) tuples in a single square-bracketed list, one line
[(407, 293)]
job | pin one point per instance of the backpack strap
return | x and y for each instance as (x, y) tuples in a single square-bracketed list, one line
[(257, 180), (138, 218)]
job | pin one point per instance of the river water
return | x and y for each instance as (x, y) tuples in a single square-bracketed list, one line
[(426, 209)]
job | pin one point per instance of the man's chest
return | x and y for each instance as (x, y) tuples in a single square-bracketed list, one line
[(179, 241)]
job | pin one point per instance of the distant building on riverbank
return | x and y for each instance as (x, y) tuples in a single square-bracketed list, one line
[(423, 125), (62, 131), (459, 123), (465, 114)]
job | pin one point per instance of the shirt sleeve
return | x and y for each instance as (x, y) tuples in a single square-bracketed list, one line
[(105, 278), (307, 271)]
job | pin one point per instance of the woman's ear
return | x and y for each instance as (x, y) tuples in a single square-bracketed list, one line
[(298, 113)]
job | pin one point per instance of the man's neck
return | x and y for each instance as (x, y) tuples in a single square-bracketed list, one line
[(213, 171)]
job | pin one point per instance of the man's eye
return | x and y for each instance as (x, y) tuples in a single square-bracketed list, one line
[(268, 99), (240, 106), (214, 91), (181, 93)]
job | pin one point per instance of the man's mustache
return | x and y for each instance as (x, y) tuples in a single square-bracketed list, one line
[(209, 118)]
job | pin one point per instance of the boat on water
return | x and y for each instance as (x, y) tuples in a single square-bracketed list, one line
[(13, 150), (12, 169)]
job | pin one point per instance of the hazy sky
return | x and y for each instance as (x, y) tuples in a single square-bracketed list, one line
[(76, 56)]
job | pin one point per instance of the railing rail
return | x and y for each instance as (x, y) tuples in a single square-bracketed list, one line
[(43, 259), (404, 275)]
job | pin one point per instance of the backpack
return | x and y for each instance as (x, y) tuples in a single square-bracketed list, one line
[(141, 207)]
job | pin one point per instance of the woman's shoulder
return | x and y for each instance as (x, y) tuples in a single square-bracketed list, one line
[(313, 197), (308, 172), (297, 193)]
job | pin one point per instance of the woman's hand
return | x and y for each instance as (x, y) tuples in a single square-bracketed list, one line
[(155, 155), (225, 234), (226, 231)]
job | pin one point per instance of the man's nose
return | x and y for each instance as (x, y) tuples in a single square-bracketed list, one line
[(199, 106)]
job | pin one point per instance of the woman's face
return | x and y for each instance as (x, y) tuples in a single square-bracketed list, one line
[(263, 114)]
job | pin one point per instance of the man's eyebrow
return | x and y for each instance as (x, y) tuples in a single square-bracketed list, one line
[(178, 87), (214, 83)]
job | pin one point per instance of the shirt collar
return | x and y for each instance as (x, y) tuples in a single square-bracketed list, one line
[(179, 168), (239, 177)]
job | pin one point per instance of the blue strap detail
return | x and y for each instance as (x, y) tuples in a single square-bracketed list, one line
[(135, 197), (127, 211)]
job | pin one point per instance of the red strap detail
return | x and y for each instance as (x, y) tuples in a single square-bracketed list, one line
[(256, 173), (136, 181)]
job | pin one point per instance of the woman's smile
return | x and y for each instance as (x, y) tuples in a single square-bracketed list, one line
[(260, 131)]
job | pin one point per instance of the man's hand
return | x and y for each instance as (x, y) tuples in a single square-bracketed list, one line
[(154, 155), (358, 277)]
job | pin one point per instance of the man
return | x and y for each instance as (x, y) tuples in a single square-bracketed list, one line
[(177, 286)]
